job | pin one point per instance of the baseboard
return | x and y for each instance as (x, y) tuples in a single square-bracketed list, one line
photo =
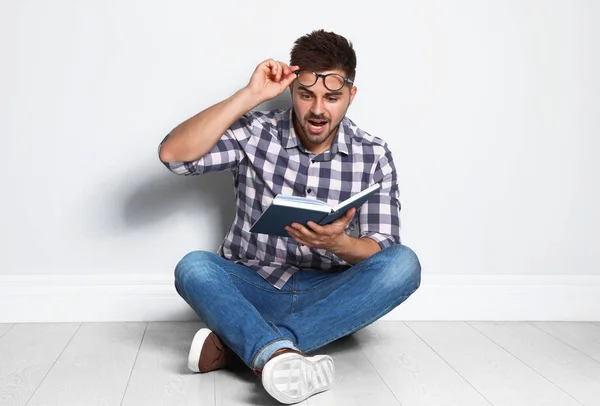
[(96, 298)]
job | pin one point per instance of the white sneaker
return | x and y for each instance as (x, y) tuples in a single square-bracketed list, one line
[(292, 377)]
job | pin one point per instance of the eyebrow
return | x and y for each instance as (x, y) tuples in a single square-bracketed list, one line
[(336, 93)]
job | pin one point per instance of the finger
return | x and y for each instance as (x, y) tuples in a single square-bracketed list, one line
[(281, 71), (345, 219), (347, 216), (318, 229), (288, 79), (294, 234), (278, 71), (272, 67), (286, 68), (264, 67), (301, 230), (294, 69), (298, 228)]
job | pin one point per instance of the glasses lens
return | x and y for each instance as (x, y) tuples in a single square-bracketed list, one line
[(334, 82), (306, 78)]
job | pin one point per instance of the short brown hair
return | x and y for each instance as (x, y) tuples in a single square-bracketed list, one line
[(321, 51)]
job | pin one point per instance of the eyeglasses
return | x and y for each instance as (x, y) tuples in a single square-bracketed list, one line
[(332, 81)]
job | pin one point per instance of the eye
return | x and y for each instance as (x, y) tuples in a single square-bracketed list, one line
[(305, 96), (332, 99)]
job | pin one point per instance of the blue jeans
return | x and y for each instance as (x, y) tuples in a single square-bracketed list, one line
[(312, 309)]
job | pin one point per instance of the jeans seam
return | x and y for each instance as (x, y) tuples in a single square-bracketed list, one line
[(273, 327), (255, 285), (294, 293), (320, 286)]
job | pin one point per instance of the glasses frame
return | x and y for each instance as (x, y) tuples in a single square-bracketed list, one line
[(320, 75)]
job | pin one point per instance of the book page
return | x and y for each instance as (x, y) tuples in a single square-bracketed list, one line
[(357, 196), (302, 203), (300, 199)]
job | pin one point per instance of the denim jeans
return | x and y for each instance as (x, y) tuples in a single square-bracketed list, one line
[(312, 309)]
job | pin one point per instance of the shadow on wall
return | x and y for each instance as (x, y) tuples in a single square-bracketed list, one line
[(154, 199), (283, 102), (168, 193)]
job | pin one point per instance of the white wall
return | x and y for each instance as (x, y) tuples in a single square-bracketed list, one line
[(491, 109)]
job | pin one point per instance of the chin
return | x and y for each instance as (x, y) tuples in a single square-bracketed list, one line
[(318, 138)]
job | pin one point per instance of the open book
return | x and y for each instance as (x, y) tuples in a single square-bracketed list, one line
[(285, 210)]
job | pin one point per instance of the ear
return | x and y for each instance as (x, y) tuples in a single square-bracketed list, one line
[(352, 94)]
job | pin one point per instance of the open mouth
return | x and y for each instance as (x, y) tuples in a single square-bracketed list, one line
[(316, 126)]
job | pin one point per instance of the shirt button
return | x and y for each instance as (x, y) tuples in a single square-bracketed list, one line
[(308, 190)]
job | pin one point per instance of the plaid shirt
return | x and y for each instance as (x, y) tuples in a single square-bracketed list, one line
[(266, 158)]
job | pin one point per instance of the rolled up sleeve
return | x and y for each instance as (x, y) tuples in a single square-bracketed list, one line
[(379, 217), (226, 154)]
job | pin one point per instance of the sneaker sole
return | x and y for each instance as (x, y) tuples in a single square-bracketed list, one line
[(196, 348), (292, 378)]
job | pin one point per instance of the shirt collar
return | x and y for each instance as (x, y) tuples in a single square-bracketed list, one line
[(289, 139)]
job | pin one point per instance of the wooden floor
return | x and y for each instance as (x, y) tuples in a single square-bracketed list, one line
[(387, 363)]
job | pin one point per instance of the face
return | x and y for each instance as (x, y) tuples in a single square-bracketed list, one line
[(319, 111)]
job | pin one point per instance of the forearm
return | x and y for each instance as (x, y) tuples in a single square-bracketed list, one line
[(353, 250), (195, 137)]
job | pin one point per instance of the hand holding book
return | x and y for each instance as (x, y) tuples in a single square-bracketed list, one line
[(331, 237), (285, 210)]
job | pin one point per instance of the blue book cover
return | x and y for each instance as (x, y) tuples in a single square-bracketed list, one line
[(285, 210)]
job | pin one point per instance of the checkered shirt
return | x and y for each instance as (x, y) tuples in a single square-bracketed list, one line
[(266, 158)]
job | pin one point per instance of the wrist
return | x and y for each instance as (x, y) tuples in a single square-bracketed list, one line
[(342, 244), (250, 97)]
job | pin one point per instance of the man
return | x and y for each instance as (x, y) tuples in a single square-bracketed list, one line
[(270, 301)]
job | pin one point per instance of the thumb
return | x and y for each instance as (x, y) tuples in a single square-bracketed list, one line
[(288, 79), (345, 219)]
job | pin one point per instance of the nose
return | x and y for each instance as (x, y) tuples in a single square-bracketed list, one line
[(317, 107)]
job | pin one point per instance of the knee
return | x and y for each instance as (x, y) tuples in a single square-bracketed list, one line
[(402, 270), (195, 266)]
